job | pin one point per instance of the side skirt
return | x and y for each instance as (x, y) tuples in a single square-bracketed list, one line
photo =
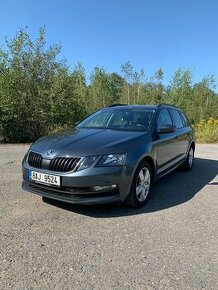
[(170, 169)]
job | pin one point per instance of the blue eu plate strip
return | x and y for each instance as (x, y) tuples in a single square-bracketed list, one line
[(30, 174)]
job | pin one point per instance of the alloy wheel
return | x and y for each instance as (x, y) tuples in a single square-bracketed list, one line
[(190, 157), (143, 183)]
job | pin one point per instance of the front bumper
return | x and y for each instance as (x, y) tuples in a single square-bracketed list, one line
[(76, 186), (66, 196)]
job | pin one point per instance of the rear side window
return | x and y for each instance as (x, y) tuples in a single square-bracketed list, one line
[(164, 118), (185, 120), (176, 119)]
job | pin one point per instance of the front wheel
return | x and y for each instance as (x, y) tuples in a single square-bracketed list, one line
[(141, 185)]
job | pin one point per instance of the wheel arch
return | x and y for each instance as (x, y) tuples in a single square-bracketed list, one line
[(151, 162)]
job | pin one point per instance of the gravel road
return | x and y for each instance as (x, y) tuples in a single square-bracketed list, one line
[(171, 243)]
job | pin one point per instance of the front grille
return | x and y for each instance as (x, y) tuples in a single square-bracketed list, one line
[(35, 159), (59, 164), (63, 164)]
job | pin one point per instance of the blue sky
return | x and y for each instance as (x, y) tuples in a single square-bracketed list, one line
[(150, 34)]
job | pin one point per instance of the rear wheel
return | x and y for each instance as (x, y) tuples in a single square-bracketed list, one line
[(188, 164), (141, 185)]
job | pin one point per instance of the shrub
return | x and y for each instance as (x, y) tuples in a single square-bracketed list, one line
[(207, 131)]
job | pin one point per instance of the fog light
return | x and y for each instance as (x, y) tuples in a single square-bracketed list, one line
[(106, 187)]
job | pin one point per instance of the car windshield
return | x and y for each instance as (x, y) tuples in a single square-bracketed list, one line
[(126, 120)]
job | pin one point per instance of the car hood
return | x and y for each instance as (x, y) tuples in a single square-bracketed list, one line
[(86, 142)]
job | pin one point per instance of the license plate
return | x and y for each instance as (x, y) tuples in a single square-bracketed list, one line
[(45, 178)]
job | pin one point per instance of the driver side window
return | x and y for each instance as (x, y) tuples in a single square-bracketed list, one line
[(164, 118)]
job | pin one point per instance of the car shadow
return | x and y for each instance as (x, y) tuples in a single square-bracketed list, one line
[(172, 190)]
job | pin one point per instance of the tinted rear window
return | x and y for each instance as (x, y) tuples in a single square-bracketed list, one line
[(185, 120), (164, 118), (176, 119)]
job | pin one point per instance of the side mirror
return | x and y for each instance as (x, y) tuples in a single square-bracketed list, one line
[(166, 128)]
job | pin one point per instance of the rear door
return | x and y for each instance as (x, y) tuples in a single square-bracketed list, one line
[(167, 144), (182, 133)]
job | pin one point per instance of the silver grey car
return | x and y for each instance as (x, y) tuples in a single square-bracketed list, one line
[(115, 154)]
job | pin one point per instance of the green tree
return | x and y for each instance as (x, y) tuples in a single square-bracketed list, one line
[(180, 93), (127, 70), (104, 89), (159, 87), (133, 83), (68, 92), (27, 73), (154, 90), (39, 94), (204, 101), (117, 85), (137, 83)]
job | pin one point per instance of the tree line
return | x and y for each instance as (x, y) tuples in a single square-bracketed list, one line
[(39, 94)]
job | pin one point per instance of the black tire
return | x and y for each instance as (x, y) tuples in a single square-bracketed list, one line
[(139, 198), (188, 164)]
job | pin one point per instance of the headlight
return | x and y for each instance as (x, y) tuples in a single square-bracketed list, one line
[(112, 160), (86, 162)]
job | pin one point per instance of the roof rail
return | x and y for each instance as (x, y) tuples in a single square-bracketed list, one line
[(164, 104), (115, 105)]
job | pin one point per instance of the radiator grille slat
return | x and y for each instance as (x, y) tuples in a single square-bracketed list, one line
[(63, 164), (59, 164), (68, 161), (35, 159)]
